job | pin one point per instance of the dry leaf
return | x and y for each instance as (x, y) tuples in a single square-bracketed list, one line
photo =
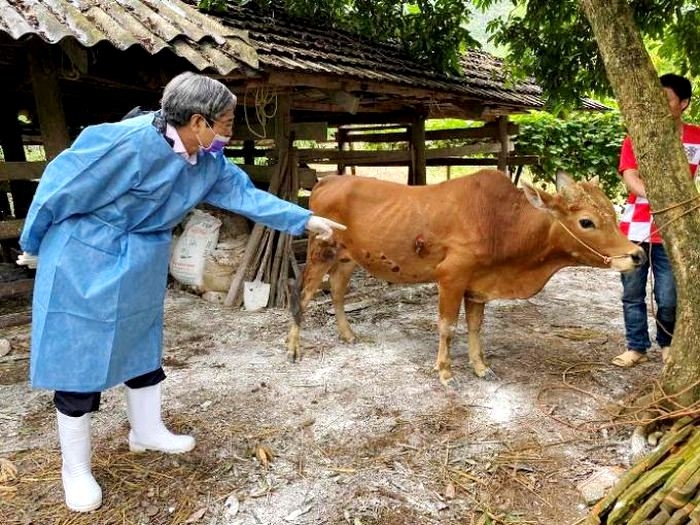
[(5, 347), (8, 471), (196, 516), (450, 491), (264, 454), (232, 505)]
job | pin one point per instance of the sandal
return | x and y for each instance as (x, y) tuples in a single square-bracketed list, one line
[(629, 358)]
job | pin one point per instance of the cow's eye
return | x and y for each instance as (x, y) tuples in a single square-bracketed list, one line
[(586, 223)]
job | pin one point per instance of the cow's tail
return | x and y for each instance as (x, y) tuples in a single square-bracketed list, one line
[(295, 287)]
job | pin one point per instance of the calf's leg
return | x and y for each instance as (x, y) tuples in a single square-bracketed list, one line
[(475, 315), (320, 256), (340, 276), (449, 303)]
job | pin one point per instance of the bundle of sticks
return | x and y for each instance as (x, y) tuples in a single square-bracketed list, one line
[(269, 254), (662, 488)]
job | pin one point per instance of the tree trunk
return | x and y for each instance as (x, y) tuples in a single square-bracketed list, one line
[(664, 167)]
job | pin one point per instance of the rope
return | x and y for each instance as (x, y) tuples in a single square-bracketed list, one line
[(651, 245), (263, 98), (606, 258)]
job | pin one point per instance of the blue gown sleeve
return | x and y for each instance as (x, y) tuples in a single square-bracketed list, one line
[(235, 192), (93, 172)]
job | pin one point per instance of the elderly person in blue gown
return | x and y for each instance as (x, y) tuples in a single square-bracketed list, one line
[(100, 229)]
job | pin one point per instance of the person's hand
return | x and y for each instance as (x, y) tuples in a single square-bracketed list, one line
[(323, 227), (27, 260)]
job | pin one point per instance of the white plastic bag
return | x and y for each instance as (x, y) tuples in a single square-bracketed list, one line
[(198, 240)]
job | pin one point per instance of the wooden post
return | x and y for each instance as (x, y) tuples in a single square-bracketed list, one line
[(417, 174), (342, 139), (283, 128), (47, 95), (503, 138), (249, 152), (13, 149)]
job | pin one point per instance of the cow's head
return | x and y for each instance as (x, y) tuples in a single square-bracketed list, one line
[(587, 224)]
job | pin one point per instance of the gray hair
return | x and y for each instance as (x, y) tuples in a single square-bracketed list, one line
[(189, 93)]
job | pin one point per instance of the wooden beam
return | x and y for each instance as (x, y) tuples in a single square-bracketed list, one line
[(263, 174), (467, 108), (11, 229), (21, 170), (417, 175), (345, 100), (22, 191), (487, 130), (16, 288), (15, 319), (47, 95), (333, 156), (341, 137), (341, 119), (520, 160), (461, 151), (505, 143), (375, 138)]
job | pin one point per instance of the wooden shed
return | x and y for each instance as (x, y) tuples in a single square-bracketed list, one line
[(70, 63)]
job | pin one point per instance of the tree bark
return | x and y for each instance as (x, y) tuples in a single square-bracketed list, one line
[(664, 167)]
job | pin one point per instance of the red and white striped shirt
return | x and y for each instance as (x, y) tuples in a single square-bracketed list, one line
[(636, 222)]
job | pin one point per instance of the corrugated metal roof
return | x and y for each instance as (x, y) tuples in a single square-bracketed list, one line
[(154, 25)]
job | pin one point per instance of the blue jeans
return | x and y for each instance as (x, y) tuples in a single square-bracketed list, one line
[(634, 306)]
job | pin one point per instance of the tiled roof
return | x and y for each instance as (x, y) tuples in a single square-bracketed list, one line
[(154, 25), (288, 45)]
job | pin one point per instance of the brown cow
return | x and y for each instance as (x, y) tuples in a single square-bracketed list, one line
[(479, 237)]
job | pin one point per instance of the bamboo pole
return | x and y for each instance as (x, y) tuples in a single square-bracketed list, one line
[(674, 437)]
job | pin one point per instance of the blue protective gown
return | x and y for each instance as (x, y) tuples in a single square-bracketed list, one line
[(101, 223)]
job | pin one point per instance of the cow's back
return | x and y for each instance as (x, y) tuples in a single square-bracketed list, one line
[(401, 233)]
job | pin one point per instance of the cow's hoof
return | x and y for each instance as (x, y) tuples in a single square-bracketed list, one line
[(293, 355), (450, 383), (489, 375), (447, 379), (485, 372), (350, 339)]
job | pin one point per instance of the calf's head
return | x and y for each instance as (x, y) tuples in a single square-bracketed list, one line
[(586, 224)]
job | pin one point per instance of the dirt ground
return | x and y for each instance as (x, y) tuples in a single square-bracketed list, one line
[(358, 434)]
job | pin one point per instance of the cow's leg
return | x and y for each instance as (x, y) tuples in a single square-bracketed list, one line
[(475, 315), (320, 257), (340, 276), (450, 301)]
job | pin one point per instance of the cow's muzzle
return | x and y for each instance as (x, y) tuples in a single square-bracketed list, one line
[(629, 262), (638, 257)]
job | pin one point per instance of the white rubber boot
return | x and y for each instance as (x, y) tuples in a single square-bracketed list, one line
[(147, 429), (82, 492)]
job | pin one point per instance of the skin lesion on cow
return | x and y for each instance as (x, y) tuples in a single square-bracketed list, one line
[(478, 238), (421, 246)]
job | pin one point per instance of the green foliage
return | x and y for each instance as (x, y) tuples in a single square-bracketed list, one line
[(432, 32), (584, 145), (215, 6), (557, 47)]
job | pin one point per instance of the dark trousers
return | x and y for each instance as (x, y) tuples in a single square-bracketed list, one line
[(76, 404), (634, 307)]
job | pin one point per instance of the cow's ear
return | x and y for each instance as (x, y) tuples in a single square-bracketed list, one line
[(566, 186), (535, 197)]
